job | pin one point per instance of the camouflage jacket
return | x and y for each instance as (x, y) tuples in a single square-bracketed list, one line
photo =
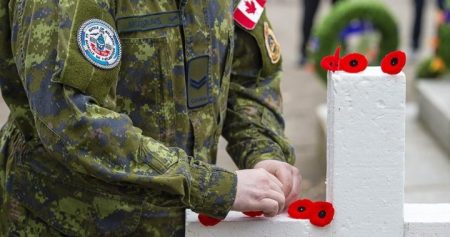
[(94, 151)]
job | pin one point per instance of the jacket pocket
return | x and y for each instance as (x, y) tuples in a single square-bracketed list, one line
[(145, 90)]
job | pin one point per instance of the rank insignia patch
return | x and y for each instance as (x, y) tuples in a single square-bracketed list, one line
[(248, 12), (99, 43), (198, 91), (272, 45)]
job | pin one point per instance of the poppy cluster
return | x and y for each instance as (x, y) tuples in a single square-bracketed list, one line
[(211, 221), (392, 63), (319, 213)]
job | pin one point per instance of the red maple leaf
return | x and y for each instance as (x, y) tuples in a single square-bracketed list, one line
[(251, 9)]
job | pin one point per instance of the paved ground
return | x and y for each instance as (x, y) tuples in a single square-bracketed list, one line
[(303, 92), (427, 165)]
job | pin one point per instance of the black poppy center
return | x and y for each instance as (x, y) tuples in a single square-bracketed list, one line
[(301, 209), (322, 214), (354, 63), (394, 61)]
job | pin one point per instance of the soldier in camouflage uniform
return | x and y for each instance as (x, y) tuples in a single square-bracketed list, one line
[(116, 111)]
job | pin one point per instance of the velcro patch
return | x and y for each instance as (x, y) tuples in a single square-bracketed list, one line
[(99, 43), (148, 22), (272, 45), (198, 78)]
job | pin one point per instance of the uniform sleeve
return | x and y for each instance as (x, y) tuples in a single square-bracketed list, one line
[(72, 103), (254, 126)]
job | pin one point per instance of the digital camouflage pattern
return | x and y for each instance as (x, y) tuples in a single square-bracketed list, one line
[(93, 152)]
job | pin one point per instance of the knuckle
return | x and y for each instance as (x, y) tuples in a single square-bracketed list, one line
[(259, 194), (265, 182), (261, 170), (264, 171)]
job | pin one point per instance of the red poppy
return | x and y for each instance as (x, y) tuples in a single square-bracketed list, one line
[(300, 209), (208, 221), (393, 62), (331, 62), (322, 214), (253, 213), (353, 63)]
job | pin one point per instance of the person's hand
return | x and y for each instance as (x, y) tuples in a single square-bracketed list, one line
[(258, 190), (287, 174)]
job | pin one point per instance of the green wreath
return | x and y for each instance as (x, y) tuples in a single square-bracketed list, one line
[(326, 35)]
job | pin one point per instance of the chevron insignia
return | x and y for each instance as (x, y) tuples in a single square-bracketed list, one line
[(198, 91), (200, 83)]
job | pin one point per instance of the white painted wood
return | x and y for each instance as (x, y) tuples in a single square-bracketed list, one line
[(237, 224), (366, 151), (427, 176), (427, 220)]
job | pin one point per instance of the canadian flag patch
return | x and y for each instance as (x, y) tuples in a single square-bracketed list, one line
[(248, 12)]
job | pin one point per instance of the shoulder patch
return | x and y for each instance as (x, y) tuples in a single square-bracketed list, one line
[(99, 43), (272, 45), (248, 12)]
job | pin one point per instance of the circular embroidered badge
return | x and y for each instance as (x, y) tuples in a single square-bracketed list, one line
[(272, 45), (99, 43)]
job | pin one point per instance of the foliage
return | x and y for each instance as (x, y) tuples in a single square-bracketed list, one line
[(438, 64)]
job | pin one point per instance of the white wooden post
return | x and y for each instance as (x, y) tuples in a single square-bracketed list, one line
[(366, 151), (427, 220)]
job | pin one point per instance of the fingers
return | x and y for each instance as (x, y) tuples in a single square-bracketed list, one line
[(279, 198), (296, 187), (291, 180), (258, 189), (276, 186), (269, 207), (285, 176), (274, 179), (283, 172), (289, 176), (276, 192)]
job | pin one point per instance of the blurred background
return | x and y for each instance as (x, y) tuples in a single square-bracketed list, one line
[(304, 92), (428, 153)]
